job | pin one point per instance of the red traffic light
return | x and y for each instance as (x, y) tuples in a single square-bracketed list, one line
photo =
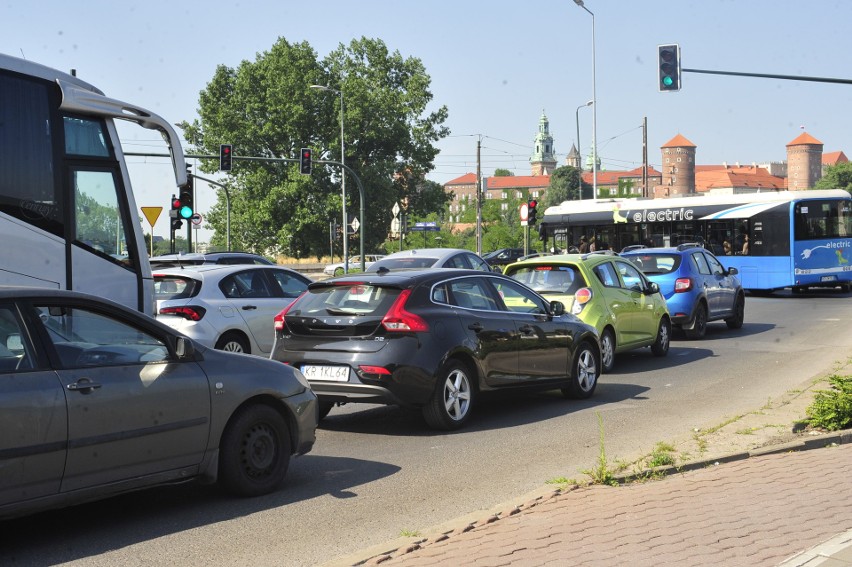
[(175, 203), (533, 204)]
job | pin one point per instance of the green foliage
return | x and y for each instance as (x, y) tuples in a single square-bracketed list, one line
[(836, 177), (832, 409), (500, 172), (662, 455), (564, 186), (266, 109)]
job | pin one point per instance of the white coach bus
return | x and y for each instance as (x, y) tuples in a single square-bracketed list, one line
[(68, 218)]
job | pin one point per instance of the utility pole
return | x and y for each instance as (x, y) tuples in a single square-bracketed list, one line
[(645, 191), (478, 197)]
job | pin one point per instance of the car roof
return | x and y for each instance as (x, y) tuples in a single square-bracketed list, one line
[(402, 278), (588, 257), (215, 270), (211, 257), (427, 252)]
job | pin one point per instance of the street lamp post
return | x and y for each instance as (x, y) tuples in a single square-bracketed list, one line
[(579, 154), (342, 176), (594, 108)]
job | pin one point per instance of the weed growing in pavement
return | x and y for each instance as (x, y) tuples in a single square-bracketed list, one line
[(662, 455), (832, 409), (602, 474), (561, 480), (409, 533)]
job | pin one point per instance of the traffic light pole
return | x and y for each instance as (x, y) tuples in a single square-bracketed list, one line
[(769, 76)]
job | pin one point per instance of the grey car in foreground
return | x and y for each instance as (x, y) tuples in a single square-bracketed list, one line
[(96, 400)]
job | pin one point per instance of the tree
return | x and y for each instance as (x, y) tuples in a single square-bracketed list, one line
[(564, 183), (836, 177), (500, 172), (266, 108)]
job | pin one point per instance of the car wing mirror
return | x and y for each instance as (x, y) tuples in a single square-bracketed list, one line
[(733, 271), (557, 308), (653, 288), (184, 348)]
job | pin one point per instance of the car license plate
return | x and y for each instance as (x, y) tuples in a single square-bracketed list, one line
[(333, 373), (828, 278)]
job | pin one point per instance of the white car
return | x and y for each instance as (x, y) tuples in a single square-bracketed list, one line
[(227, 307), (354, 264)]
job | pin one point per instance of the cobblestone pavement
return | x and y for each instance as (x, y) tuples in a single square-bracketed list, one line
[(789, 504)]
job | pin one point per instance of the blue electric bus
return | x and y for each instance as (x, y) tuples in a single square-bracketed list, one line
[(776, 239), (68, 219)]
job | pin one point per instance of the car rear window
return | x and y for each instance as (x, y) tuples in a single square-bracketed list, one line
[(348, 299), (402, 263), (550, 278), (661, 263), (175, 287)]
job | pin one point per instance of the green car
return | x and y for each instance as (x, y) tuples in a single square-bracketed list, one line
[(607, 292)]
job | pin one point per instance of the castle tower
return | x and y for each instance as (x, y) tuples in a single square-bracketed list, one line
[(574, 159), (678, 167), (804, 162), (542, 160)]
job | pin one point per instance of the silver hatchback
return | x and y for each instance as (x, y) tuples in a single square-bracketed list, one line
[(227, 307)]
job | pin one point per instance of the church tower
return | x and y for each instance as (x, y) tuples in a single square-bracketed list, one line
[(542, 160), (574, 159)]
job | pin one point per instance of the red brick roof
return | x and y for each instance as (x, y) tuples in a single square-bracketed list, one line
[(747, 176), (833, 158), (466, 179), (679, 142), (804, 139), (612, 177), (519, 181)]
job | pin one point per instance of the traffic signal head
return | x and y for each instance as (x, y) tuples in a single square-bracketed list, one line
[(669, 65), (185, 209), (225, 162), (532, 205), (305, 161)]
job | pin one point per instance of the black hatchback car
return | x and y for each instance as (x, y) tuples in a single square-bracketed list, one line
[(433, 340)]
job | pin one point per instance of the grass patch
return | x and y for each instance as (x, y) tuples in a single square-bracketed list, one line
[(409, 533)]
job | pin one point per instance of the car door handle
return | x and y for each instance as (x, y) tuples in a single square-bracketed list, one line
[(475, 327), (84, 386), (249, 307)]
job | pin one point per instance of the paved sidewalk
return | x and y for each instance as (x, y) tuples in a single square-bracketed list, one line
[(788, 505)]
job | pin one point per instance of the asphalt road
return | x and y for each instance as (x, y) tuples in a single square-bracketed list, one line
[(377, 472)]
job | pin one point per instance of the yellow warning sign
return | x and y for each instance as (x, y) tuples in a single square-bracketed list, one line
[(152, 214)]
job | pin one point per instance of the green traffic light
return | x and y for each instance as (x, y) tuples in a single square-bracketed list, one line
[(186, 212), (668, 81)]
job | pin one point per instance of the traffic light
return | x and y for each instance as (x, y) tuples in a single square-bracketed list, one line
[(305, 161), (532, 204), (225, 161), (669, 62), (185, 209)]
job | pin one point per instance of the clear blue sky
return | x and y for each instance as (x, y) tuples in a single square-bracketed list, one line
[(495, 64)]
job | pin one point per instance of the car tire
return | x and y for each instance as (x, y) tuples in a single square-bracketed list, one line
[(324, 408), (233, 342), (584, 373), (664, 337), (607, 351), (451, 402), (699, 323), (736, 322), (255, 451)]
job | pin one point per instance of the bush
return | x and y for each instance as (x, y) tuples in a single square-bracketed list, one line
[(832, 409)]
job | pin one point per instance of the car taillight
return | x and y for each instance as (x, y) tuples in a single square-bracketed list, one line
[(683, 284), (278, 321), (581, 298), (398, 319), (189, 312)]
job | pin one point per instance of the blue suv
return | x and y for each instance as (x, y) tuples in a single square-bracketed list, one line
[(697, 287)]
